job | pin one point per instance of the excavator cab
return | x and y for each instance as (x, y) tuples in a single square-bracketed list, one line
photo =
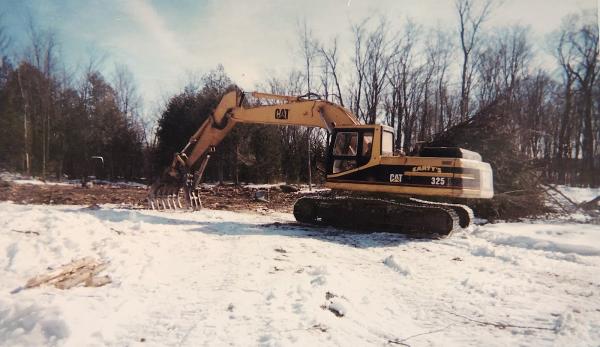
[(361, 158), (354, 147)]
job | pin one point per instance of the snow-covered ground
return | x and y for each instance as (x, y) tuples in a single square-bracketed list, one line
[(221, 278), (17, 178), (579, 195)]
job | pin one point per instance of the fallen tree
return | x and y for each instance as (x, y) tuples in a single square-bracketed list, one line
[(517, 180)]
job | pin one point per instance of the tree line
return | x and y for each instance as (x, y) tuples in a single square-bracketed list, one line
[(419, 80), (54, 123), (422, 81)]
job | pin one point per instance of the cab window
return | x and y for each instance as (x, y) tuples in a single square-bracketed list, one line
[(387, 143), (341, 165), (346, 144)]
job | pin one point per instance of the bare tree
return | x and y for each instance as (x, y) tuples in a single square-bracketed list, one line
[(403, 77), (564, 55), (26, 141), (374, 51), (356, 87), (128, 99), (471, 16), (309, 48), (330, 58), (577, 54), (42, 54), (439, 51), (585, 42), (503, 63)]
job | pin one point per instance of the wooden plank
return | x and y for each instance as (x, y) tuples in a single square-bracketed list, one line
[(98, 281), (83, 274), (98, 267), (58, 273), (80, 276)]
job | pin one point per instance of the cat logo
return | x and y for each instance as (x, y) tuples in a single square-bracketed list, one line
[(395, 178), (281, 113)]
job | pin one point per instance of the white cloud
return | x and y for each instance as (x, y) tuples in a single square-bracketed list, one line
[(147, 17)]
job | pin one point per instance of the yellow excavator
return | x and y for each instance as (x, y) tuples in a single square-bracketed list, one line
[(360, 158)]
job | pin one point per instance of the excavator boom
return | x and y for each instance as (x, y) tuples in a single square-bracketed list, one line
[(188, 166)]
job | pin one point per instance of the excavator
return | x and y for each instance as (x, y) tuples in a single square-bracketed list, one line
[(373, 187)]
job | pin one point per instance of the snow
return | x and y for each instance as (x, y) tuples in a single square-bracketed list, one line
[(396, 266), (17, 178), (579, 195), (264, 186), (302, 188), (224, 278)]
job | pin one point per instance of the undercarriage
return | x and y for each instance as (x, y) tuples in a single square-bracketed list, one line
[(411, 217)]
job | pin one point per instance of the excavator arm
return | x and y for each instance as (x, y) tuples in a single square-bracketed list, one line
[(188, 165)]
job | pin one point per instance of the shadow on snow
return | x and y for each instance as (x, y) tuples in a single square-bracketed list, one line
[(352, 238)]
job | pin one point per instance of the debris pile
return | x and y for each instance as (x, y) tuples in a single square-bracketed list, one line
[(517, 181)]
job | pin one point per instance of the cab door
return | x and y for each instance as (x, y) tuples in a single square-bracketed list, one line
[(349, 149)]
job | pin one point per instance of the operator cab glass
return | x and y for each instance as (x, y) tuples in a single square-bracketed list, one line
[(346, 144), (387, 143), (350, 149)]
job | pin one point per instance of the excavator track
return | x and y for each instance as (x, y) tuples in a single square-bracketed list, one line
[(419, 219), (464, 212)]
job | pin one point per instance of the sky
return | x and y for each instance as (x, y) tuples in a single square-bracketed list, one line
[(163, 42)]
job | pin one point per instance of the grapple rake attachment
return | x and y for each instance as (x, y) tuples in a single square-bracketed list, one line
[(193, 199), (164, 198), (171, 199), (169, 195)]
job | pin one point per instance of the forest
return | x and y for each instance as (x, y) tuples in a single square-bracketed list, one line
[(420, 80)]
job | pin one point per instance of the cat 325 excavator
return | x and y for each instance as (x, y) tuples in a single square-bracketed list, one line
[(359, 158)]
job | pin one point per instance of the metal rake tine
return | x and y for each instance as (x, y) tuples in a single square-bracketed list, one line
[(157, 198), (174, 202), (194, 201), (199, 200), (198, 205), (186, 199), (168, 200), (175, 198)]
